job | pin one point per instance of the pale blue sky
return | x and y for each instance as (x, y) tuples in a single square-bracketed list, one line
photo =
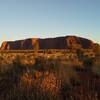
[(20, 19)]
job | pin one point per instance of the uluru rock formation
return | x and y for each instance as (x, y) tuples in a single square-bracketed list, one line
[(47, 43)]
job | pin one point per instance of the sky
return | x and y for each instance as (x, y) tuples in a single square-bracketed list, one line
[(20, 19)]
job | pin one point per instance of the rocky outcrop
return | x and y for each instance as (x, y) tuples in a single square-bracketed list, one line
[(18, 45), (48, 43), (85, 43)]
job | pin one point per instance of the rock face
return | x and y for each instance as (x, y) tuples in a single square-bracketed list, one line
[(48, 43), (18, 45)]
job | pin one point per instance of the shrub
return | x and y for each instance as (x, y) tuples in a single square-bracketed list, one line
[(78, 66), (44, 78), (43, 64), (97, 49), (96, 70), (88, 62), (40, 63), (75, 81), (51, 51)]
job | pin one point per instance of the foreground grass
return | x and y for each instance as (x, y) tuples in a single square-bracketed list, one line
[(46, 77), (39, 78), (96, 69)]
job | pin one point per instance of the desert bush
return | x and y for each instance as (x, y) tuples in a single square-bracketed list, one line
[(78, 65), (75, 81), (97, 49), (39, 78), (96, 70), (79, 52), (58, 79), (65, 51), (88, 62), (10, 79), (44, 63), (4, 68), (89, 54), (40, 63), (37, 87), (66, 73), (51, 51)]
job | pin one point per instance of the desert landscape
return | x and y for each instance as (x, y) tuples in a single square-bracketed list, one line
[(62, 68), (49, 49)]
